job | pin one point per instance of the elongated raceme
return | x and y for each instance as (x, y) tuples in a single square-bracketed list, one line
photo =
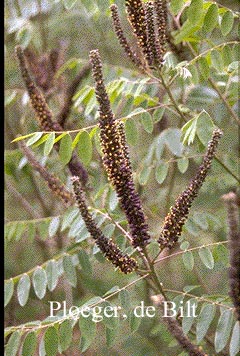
[(122, 38), (151, 31), (174, 221), (52, 181), (137, 18), (45, 116), (110, 250), (116, 161), (41, 108), (162, 25), (176, 330), (234, 248)]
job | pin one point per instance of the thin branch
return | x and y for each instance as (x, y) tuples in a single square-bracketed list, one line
[(23, 201), (65, 111), (190, 249)]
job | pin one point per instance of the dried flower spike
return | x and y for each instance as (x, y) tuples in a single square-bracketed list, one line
[(122, 39), (137, 19), (174, 221), (41, 108), (45, 116), (234, 248), (110, 250), (53, 182), (115, 159)]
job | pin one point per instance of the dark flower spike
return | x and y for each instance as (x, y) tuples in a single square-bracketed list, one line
[(41, 108), (122, 39), (116, 161), (151, 34), (234, 248), (162, 20), (176, 330), (45, 115), (137, 19), (174, 221), (110, 250), (124, 148), (53, 182)]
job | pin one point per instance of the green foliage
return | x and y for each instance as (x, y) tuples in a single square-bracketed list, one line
[(169, 117)]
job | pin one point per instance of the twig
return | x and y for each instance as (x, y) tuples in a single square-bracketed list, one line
[(23, 201), (62, 116)]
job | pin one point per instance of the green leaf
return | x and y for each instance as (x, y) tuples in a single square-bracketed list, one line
[(29, 344), (65, 149), (158, 114), (188, 260), (111, 335), (227, 23), (65, 335), (204, 320), (59, 137), (113, 200), (189, 131), (13, 344), (52, 275), (134, 322), (85, 262), (112, 290), (125, 299), (234, 347), (221, 254), (184, 245), (84, 147), (41, 141), (144, 175), (8, 291), (176, 6), (69, 217), (51, 341), (217, 61), (35, 137), (70, 270), (23, 289), (188, 315), (76, 140), (206, 256), (223, 330), (68, 4), (204, 67), (131, 132), (109, 230), (189, 288), (147, 122), (39, 280), (53, 226), (109, 320), (172, 139), (195, 11), (161, 172), (227, 55), (187, 30), (182, 164), (205, 127), (49, 144), (194, 71), (88, 331), (210, 19)]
